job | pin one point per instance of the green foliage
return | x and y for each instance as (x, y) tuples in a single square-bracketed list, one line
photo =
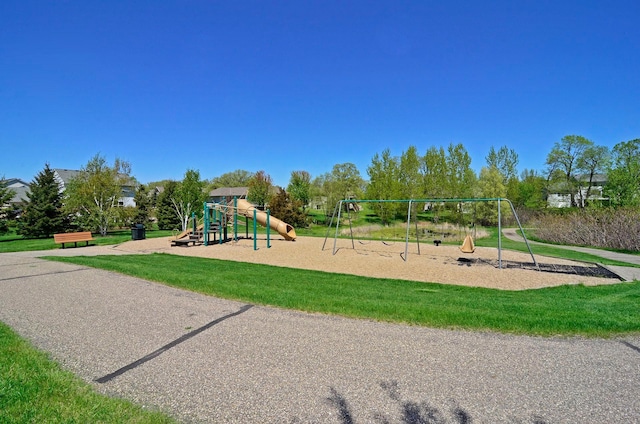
[(189, 197), (490, 185), (166, 214), (436, 182), (568, 310), (530, 191), (34, 389), (384, 184), (460, 175), (6, 194), (300, 187), (260, 189), (505, 160), (409, 175), (43, 213), (286, 209), (570, 156), (623, 186), (237, 178), (93, 196), (142, 213)]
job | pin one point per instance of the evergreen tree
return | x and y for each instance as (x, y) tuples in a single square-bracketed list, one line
[(168, 219), (43, 214), (6, 195), (143, 207)]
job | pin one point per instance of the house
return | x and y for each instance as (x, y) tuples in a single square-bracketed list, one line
[(63, 176), (560, 193), (20, 190), (226, 194)]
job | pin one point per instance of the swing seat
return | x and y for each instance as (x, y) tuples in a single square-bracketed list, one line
[(467, 245)]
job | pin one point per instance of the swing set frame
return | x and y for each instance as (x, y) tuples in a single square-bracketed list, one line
[(498, 200)]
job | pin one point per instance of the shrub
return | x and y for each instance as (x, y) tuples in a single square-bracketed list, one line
[(606, 228)]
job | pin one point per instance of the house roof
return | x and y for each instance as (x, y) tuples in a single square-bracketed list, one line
[(229, 192), (66, 175), (20, 194), (19, 187), (14, 183)]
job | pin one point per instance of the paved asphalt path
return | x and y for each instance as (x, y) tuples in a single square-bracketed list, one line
[(203, 359)]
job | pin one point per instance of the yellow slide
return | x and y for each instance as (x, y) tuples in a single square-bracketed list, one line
[(285, 230)]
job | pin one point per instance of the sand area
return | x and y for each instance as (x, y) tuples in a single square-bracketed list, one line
[(439, 264)]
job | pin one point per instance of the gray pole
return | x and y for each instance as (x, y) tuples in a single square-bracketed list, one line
[(499, 237)]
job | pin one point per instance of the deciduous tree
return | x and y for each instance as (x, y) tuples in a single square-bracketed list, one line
[(490, 185), (237, 178), (594, 160), (189, 197), (384, 184), (300, 187), (623, 185), (562, 162), (435, 175), (93, 195), (461, 177), (409, 176), (260, 189)]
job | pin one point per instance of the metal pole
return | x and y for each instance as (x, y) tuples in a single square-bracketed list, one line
[(255, 231), (406, 240), (326, 235), (353, 245), (207, 223), (523, 234), (335, 239), (235, 218), (499, 237), (268, 229), (417, 236)]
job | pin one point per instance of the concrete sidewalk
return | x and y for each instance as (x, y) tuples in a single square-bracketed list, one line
[(203, 359), (625, 272)]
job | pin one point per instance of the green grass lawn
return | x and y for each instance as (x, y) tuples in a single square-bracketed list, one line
[(602, 311), (15, 243), (34, 389)]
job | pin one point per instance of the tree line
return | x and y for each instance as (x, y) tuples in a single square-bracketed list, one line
[(91, 200)]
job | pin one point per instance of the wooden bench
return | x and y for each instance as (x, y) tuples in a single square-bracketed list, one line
[(73, 238)]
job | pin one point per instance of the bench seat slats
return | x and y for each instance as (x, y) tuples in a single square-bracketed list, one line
[(63, 238)]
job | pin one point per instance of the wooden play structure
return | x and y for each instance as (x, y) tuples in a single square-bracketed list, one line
[(218, 218)]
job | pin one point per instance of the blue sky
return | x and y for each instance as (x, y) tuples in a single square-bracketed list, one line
[(303, 85)]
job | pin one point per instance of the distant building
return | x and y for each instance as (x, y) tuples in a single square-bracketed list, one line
[(560, 193), (20, 190), (226, 194), (63, 176)]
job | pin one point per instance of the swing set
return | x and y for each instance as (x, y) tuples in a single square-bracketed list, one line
[(467, 246)]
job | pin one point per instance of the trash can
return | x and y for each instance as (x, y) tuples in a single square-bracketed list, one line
[(138, 232)]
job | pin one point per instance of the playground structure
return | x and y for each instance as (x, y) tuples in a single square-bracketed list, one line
[(467, 245), (218, 217)]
